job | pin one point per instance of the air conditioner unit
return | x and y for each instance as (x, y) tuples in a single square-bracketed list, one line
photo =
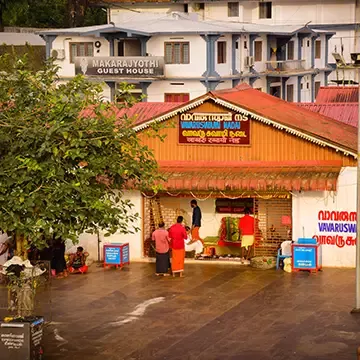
[(249, 61), (58, 54)]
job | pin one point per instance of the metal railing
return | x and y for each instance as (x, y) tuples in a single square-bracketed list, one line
[(285, 65)]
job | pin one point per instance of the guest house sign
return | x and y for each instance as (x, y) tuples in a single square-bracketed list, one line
[(122, 66), (214, 128)]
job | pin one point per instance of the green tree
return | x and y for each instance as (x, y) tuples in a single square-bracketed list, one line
[(63, 167), (4, 6), (51, 13)]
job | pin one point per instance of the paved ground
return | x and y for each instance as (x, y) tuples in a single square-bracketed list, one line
[(216, 312)]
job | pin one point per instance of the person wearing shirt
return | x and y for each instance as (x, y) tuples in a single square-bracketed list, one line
[(177, 234), (162, 240), (196, 221), (247, 230), (193, 245)]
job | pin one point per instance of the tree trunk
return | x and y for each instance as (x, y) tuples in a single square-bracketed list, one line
[(21, 247), (76, 12)]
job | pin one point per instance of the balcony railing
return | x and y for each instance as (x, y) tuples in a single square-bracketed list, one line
[(285, 66)]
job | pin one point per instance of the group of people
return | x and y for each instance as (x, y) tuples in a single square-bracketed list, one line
[(54, 253), (179, 239)]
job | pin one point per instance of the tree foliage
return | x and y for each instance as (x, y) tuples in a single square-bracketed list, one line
[(63, 167), (51, 13)]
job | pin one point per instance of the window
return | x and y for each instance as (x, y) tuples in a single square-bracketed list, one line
[(317, 87), (317, 49), (177, 53), (245, 44), (308, 86), (186, 8), (81, 49), (221, 52), (258, 50), (199, 6), (233, 9), (291, 50), (177, 97), (290, 93), (265, 9)]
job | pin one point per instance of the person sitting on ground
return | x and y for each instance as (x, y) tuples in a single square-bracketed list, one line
[(77, 263), (193, 244)]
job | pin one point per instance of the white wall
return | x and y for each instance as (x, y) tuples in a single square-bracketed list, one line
[(346, 38), (197, 66), (157, 89), (302, 11), (226, 84), (226, 68), (283, 11), (260, 84), (63, 42), (320, 63), (117, 14), (260, 66), (219, 11), (90, 243), (306, 207)]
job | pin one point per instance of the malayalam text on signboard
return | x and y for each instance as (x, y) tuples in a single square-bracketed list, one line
[(112, 255), (304, 257), (214, 128), (123, 66)]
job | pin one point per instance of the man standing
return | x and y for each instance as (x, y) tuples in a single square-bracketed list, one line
[(161, 238), (177, 234), (196, 221), (247, 230)]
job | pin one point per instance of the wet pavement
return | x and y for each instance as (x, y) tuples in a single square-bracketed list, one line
[(216, 312)]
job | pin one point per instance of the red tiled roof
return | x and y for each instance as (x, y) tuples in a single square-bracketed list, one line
[(290, 115), (338, 94), (252, 176), (142, 111), (346, 113)]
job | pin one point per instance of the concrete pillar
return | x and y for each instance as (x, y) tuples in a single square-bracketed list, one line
[(299, 87), (210, 55), (252, 38), (143, 41), (111, 40), (210, 85), (49, 39), (234, 40), (327, 38), (283, 88), (144, 87), (111, 85)]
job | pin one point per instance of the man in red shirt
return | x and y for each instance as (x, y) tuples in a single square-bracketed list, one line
[(247, 230), (178, 235)]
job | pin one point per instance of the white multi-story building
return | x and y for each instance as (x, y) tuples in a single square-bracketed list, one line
[(338, 16), (176, 56)]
